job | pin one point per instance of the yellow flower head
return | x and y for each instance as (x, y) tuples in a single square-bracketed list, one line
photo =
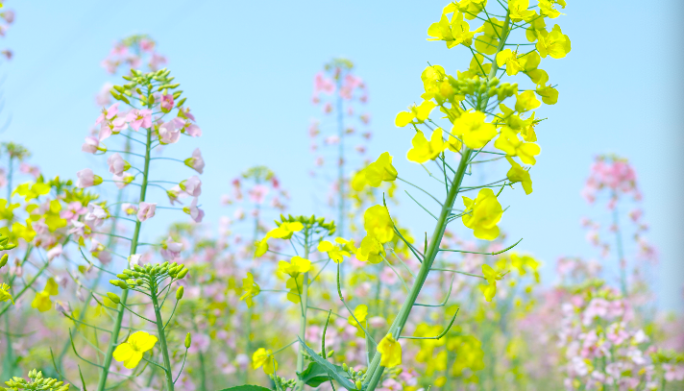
[(510, 59), (473, 129), (518, 10), (250, 289), (378, 223), (42, 301), (518, 174), (416, 115), (370, 250), (375, 173), (296, 266), (335, 252), (424, 150), (526, 101), (264, 358), (131, 351), (360, 313), (284, 231), (546, 8), (5, 293), (510, 143), (482, 214), (390, 351), (554, 44), (491, 276)]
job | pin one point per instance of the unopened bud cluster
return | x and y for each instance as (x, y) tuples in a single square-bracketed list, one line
[(149, 275), (357, 377), (5, 244), (145, 84), (38, 382), (317, 224)]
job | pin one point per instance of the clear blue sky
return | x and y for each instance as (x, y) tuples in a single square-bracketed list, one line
[(247, 69)]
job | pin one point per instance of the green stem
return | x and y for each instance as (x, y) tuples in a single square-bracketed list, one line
[(8, 363), (110, 245), (622, 263), (302, 321), (124, 295), (162, 340), (375, 370)]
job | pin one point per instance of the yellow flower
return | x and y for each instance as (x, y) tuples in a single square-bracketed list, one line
[(390, 351), (546, 8), (424, 150), (296, 266), (360, 312), (554, 44), (509, 142), (378, 223), (417, 114), (489, 41), (518, 174), (264, 358), (32, 191), (5, 293), (7, 210), (453, 33), (250, 289), (370, 250), (473, 129), (491, 276), (549, 94), (510, 59), (526, 101), (375, 173), (283, 231), (42, 301), (482, 214), (518, 10), (131, 351), (335, 252)]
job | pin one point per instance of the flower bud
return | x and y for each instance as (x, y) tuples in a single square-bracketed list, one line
[(358, 384), (114, 297), (188, 340), (179, 292), (3, 260), (182, 274)]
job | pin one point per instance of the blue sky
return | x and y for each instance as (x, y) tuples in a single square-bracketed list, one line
[(247, 69)]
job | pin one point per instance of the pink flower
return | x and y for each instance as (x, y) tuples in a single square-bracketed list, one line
[(192, 130), (146, 210), (139, 119), (86, 178), (73, 211), (108, 114), (123, 180), (171, 250), (192, 186), (169, 132), (95, 216), (54, 252), (26, 168), (166, 103), (196, 162), (258, 193), (196, 213), (323, 84), (117, 165), (90, 145)]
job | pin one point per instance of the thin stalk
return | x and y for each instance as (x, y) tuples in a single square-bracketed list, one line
[(375, 371), (162, 340), (113, 342), (622, 262), (8, 363), (302, 320)]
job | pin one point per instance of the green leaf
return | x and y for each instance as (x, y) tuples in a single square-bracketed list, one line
[(246, 387), (334, 371), (314, 375)]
